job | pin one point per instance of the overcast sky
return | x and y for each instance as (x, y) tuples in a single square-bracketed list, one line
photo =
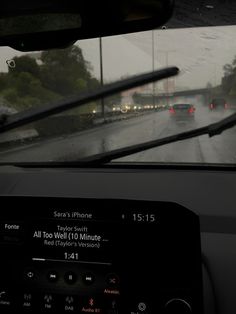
[(200, 53)]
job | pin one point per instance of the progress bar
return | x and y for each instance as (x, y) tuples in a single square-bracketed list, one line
[(39, 259)]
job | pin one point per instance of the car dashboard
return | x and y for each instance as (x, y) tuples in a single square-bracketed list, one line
[(117, 240), (98, 256)]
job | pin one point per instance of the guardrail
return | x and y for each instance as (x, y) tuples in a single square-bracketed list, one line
[(60, 125)]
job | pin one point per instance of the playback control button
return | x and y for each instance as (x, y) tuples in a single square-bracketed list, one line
[(88, 278), (29, 274), (112, 280), (70, 277), (5, 300), (52, 276)]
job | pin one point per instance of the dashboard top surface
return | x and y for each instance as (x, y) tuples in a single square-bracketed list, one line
[(203, 192)]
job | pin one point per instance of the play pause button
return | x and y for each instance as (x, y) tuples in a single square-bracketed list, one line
[(70, 277)]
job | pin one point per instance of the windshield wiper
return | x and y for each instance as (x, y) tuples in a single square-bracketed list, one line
[(34, 114), (211, 129)]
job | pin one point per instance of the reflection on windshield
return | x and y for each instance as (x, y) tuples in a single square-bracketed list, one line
[(206, 58)]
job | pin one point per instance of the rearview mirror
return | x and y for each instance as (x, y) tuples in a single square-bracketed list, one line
[(43, 24)]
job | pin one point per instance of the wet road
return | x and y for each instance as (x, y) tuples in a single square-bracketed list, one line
[(220, 149)]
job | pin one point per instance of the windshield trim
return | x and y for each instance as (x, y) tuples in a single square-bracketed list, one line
[(122, 165)]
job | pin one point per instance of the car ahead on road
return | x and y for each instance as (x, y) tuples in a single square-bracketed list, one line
[(182, 112), (218, 104)]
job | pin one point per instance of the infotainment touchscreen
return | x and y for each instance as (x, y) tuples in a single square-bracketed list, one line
[(98, 256), (85, 235)]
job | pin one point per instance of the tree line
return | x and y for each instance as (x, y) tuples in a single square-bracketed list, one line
[(53, 75), (229, 79), (227, 87)]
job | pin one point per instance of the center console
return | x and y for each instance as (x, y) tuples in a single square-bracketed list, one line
[(64, 255)]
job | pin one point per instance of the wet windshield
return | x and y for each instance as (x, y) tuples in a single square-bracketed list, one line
[(206, 58)]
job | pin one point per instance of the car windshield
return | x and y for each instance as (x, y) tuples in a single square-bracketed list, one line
[(206, 57), (219, 101), (181, 106)]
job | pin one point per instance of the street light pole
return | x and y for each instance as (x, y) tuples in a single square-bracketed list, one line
[(215, 74), (153, 67), (101, 76), (166, 52)]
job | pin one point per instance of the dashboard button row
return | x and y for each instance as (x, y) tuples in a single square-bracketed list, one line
[(71, 277), (32, 302)]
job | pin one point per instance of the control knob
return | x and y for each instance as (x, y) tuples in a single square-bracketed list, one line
[(174, 306)]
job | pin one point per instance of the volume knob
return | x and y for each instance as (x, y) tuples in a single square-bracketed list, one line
[(174, 306)]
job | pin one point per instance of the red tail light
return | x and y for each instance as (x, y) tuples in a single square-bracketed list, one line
[(171, 110), (191, 110), (211, 106)]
